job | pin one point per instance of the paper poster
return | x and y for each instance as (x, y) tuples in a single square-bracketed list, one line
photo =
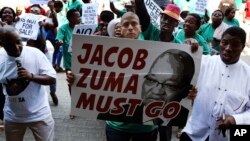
[(132, 81), (82, 29), (89, 14), (154, 12), (200, 6), (28, 26)]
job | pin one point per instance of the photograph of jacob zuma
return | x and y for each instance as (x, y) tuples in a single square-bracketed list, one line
[(169, 79)]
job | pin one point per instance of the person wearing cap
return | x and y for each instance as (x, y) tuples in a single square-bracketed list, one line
[(169, 20), (129, 7)]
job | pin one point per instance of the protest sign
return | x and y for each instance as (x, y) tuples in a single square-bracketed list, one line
[(28, 26), (200, 6), (89, 14), (154, 11), (39, 1), (82, 29), (112, 76)]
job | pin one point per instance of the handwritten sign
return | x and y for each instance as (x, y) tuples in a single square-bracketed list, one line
[(39, 1), (28, 26), (200, 6), (114, 76), (89, 14), (154, 11), (82, 29)]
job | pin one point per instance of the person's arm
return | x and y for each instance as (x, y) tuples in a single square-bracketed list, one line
[(113, 9), (142, 14), (40, 79), (60, 37), (41, 37), (54, 18), (193, 43)]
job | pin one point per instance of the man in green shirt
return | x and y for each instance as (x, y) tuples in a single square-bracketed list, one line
[(64, 35)]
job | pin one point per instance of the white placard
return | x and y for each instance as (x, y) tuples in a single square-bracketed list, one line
[(82, 29), (154, 12), (113, 77), (28, 26), (89, 14), (200, 6)]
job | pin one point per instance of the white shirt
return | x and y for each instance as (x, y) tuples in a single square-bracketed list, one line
[(222, 89), (31, 104)]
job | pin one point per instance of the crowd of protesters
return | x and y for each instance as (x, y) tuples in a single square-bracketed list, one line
[(223, 96)]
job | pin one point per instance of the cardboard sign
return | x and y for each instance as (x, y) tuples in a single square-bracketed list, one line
[(200, 6), (82, 29), (154, 11), (28, 26), (114, 79), (89, 14), (39, 1)]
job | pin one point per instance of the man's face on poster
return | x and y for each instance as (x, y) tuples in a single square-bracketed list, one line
[(164, 81)]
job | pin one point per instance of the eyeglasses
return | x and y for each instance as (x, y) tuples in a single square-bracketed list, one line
[(165, 85)]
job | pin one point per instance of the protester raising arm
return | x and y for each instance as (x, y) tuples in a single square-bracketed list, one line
[(142, 14), (113, 9)]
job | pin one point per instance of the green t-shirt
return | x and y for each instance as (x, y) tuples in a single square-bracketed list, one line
[(61, 19), (64, 34), (234, 22), (121, 13), (153, 33), (207, 32), (181, 36), (131, 127), (76, 4)]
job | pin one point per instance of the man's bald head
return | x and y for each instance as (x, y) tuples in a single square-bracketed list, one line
[(130, 14), (130, 26)]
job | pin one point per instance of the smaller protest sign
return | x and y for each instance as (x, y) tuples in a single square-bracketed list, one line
[(89, 14), (28, 26), (39, 1), (82, 29), (154, 12), (200, 6)]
